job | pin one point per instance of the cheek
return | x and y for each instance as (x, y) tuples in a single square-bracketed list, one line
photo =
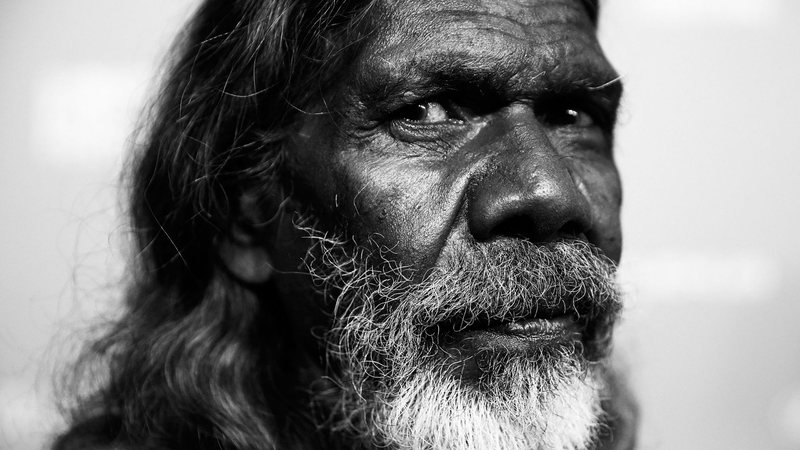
[(600, 184), (396, 203)]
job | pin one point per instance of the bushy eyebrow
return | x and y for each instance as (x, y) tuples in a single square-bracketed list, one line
[(438, 73)]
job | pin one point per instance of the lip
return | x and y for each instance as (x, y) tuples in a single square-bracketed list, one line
[(534, 328), (520, 336)]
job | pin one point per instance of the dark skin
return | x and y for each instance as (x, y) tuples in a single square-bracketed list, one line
[(460, 124)]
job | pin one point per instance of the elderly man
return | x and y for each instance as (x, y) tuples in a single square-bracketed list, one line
[(371, 224)]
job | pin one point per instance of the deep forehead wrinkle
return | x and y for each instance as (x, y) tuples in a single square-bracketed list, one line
[(512, 28), (517, 16), (486, 43), (515, 27)]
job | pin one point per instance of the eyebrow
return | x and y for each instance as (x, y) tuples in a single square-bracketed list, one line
[(440, 73)]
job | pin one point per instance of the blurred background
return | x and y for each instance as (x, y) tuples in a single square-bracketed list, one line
[(706, 145)]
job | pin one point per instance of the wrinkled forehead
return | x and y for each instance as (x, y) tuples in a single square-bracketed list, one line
[(521, 19), (489, 38), (512, 8)]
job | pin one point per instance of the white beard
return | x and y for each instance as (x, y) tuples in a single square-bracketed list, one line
[(435, 411), (395, 392)]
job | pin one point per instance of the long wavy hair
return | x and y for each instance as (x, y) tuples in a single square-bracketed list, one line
[(197, 359), (192, 361)]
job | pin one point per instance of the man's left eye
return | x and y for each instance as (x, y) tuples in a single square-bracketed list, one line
[(426, 113), (567, 116)]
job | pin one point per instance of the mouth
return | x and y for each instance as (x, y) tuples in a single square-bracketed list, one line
[(555, 328), (527, 335), (539, 337), (519, 335)]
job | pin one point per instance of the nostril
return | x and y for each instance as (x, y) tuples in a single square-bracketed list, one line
[(574, 229), (519, 226), (525, 227)]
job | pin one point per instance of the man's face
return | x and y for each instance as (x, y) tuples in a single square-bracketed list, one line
[(466, 157)]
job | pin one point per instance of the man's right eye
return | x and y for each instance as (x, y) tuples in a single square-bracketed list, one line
[(427, 113)]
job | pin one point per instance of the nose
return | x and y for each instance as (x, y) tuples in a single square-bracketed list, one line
[(528, 192)]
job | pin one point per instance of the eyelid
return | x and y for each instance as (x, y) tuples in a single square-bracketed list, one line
[(603, 114), (420, 131), (451, 108)]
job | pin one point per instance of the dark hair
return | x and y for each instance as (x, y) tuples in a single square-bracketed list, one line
[(190, 364)]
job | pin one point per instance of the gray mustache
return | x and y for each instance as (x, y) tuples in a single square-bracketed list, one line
[(383, 310), (503, 282)]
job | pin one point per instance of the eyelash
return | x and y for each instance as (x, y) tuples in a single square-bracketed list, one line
[(556, 112), (411, 113), (566, 112)]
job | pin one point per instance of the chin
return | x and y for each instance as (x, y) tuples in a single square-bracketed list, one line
[(551, 400)]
